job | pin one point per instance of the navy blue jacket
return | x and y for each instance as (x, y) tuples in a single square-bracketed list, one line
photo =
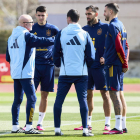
[(44, 53), (117, 49), (97, 33)]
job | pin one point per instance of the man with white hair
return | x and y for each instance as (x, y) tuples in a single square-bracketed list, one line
[(21, 56)]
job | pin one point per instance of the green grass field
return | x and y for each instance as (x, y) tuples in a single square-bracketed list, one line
[(126, 80), (70, 119)]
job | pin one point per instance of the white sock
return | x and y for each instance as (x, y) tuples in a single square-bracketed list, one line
[(123, 122), (118, 124), (89, 120), (107, 120), (15, 127), (57, 130), (28, 127), (41, 117), (85, 130)]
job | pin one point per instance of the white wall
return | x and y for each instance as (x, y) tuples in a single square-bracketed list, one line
[(129, 14)]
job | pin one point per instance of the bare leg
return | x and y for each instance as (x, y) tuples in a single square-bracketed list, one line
[(106, 102), (124, 109), (124, 106), (115, 97), (90, 102), (107, 108), (42, 107), (44, 101)]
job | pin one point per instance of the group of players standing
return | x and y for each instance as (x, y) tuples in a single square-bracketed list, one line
[(106, 73)]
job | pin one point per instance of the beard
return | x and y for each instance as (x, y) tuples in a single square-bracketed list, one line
[(107, 18), (91, 22), (41, 23)]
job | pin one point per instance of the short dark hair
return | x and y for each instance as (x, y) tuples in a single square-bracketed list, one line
[(94, 8), (41, 9), (113, 6), (74, 15)]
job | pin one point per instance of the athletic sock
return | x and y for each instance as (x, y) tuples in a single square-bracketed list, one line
[(118, 124), (15, 127), (41, 117), (107, 120), (28, 127), (85, 130), (57, 130), (89, 120), (123, 122)]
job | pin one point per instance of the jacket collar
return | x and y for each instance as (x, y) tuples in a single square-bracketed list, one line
[(94, 25), (114, 19)]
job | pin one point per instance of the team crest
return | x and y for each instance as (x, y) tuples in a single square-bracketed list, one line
[(35, 33), (99, 31), (48, 32)]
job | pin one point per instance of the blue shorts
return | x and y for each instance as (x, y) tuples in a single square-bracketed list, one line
[(96, 78), (121, 81), (45, 75), (114, 78)]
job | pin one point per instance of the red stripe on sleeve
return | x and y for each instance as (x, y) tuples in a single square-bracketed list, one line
[(120, 51), (127, 57)]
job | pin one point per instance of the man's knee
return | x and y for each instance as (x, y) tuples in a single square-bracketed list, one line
[(105, 95), (58, 102), (32, 98), (57, 106), (84, 108), (124, 107), (89, 95), (17, 101), (83, 103), (44, 95), (123, 100)]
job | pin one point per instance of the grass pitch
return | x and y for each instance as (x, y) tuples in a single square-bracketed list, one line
[(70, 119), (126, 80)]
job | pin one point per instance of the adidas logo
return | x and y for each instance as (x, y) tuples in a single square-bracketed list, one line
[(74, 41)]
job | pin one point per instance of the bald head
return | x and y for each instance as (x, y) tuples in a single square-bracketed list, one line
[(24, 20)]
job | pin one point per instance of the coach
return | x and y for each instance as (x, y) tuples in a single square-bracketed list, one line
[(21, 56)]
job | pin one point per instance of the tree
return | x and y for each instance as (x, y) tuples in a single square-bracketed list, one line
[(10, 10)]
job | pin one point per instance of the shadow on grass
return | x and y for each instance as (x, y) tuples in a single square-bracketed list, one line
[(39, 136), (19, 135)]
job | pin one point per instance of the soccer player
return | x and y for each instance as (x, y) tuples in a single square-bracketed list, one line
[(73, 52), (116, 61), (44, 67), (21, 56), (96, 78)]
